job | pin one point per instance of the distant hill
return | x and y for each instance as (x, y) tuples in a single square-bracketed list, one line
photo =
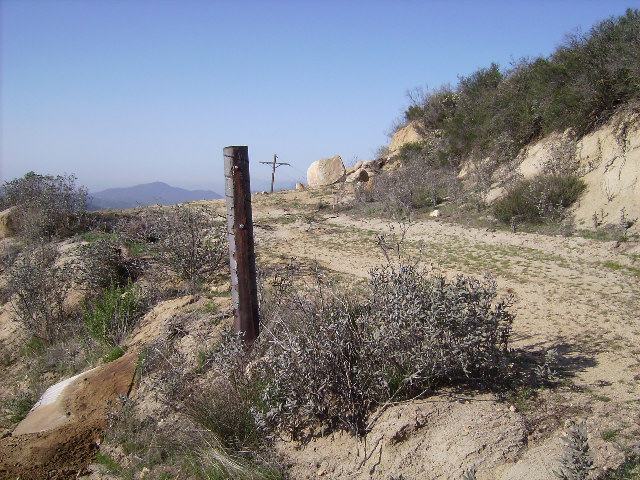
[(146, 194)]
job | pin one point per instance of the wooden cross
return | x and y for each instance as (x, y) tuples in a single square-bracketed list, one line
[(275, 164)]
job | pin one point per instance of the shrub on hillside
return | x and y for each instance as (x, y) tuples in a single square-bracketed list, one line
[(109, 317), (187, 240), (15, 408), (413, 187), (150, 449), (330, 358), (323, 365), (436, 329), (227, 407), (215, 402), (9, 252), (543, 197), (139, 227), (46, 206), (600, 69), (101, 264), (39, 285), (431, 109), (495, 112)]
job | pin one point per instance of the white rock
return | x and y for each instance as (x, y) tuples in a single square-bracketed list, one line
[(494, 194), (326, 171)]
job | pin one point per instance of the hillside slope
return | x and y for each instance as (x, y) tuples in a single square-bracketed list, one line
[(576, 297), (527, 131), (606, 159)]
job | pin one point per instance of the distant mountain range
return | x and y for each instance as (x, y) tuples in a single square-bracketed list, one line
[(146, 194)]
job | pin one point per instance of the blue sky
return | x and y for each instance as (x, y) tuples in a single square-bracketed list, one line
[(121, 92)]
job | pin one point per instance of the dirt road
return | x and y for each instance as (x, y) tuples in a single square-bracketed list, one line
[(578, 296)]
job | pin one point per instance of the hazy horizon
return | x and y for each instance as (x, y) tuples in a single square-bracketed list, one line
[(131, 92)]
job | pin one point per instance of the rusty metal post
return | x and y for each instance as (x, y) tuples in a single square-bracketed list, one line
[(242, 258)]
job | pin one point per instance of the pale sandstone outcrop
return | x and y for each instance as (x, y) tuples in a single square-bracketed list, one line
[(6, 223), (611, 157), (608, 160), (407, 134)]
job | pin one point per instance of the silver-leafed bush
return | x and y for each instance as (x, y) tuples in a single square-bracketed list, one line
[(330, 357), (45, 206), (39, 284), (187, 240)]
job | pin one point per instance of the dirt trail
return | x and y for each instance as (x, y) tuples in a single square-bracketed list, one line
[(576, 295), (575, 291)]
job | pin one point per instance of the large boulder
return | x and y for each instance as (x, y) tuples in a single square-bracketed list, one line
[(6, 223), (326, 171)]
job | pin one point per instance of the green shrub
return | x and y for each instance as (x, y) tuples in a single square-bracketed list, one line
[(629, 470), (113, 353), (111, 316), (411, 151), (16, 408), (517, 203), (432, 109), (46, 206), (35, 346), (495, 112), (543, 197), (108, 462)]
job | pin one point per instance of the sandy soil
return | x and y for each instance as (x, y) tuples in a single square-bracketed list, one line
[(578, 296)]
